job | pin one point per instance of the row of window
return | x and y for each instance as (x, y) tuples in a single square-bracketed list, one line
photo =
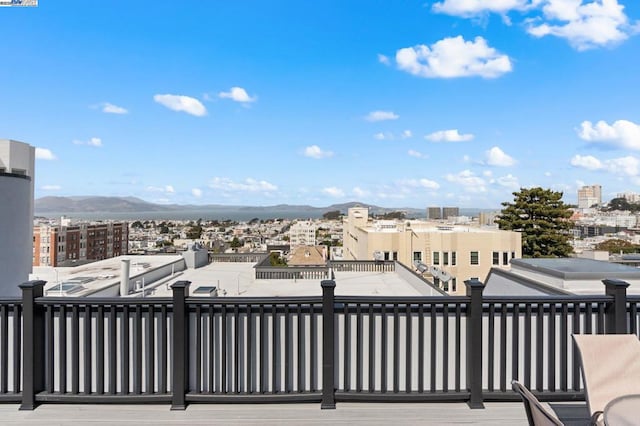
[(446, 258)]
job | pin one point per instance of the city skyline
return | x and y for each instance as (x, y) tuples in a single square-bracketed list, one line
[(427, 103)]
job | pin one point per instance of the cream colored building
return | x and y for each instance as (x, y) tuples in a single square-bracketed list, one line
[(457, 252), (302, 233)]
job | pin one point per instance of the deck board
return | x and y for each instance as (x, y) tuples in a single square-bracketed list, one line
[(496, 413)]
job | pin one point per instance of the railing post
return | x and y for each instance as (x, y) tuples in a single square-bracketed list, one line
[(328, 345), (180, 337), (616, 312), (33, 346), (474, 342)]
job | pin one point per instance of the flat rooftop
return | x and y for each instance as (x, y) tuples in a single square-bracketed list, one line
[(238, 279), (577, 268), (98, 275)]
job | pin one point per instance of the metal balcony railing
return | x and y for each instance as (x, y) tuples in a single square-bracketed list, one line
[(324, 349)]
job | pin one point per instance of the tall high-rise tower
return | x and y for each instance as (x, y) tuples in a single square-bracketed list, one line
[(589, 195), (17, 166)]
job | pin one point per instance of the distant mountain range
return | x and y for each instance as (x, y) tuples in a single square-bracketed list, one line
[(120, 205)]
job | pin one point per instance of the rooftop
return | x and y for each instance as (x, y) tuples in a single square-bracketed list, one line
[(238, 279), (577, 268)]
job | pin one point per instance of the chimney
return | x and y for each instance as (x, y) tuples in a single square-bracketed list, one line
[(124, 277)]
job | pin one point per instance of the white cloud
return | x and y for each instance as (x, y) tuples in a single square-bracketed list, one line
[(332, 191), (487, 173), (167, 189), (44, 154), (624, 166), (508, 181), (406, 134), (420, 183), (237, 94), (469, 8), (314, 151), (469, 181), (381, 116), (383, 59), (182, 104), (383, 136), (621, 134), (449, 136), (359, 192), (585, 25), (496, 157), (97, 142), (417, 154), (51, 187), (248, 185), (627, 166), (453, 57), (113, 109), (196, 192), (586, 162)]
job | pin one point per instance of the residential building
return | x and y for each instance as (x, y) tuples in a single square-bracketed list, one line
[(589, 195), (17, 174), (56, 245), (457, 253), (302, 233), (448, 212), (631, 197), (434, 213)]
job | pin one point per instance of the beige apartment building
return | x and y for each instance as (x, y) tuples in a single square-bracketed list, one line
[(448, 254)]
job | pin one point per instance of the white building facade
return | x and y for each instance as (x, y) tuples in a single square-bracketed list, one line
[(17, 173)]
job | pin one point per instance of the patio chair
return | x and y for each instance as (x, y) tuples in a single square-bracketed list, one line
[(610, 368), (537, 414)]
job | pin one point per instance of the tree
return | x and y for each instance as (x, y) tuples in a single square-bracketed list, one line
[(332, 215), (542, 218), (194, 232), (235, 243), (622, 204), (617, 245)]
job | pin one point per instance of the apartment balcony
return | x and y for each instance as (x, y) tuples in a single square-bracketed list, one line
[(342, 352)]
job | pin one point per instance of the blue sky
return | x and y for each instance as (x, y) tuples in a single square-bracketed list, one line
[(411, 103)]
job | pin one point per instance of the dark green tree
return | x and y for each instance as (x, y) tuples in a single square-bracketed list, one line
[(332, 215), (616, 245), (235, 243), (542, 218), (194, 232)]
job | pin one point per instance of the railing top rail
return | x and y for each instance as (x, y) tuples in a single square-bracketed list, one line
[(549, 299), (96, 301), (253, 300), (10, 301), (386, 300)]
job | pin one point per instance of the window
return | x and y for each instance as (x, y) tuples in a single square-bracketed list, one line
[(395, 255), (453, 285), (513, 254), (386, 255), (436, 257), (496, 258), (474, 258), (505, 258), (453, 258), (445, 258), (417, 255)]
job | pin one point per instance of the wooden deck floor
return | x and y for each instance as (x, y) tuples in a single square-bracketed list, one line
[(497, 413)]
